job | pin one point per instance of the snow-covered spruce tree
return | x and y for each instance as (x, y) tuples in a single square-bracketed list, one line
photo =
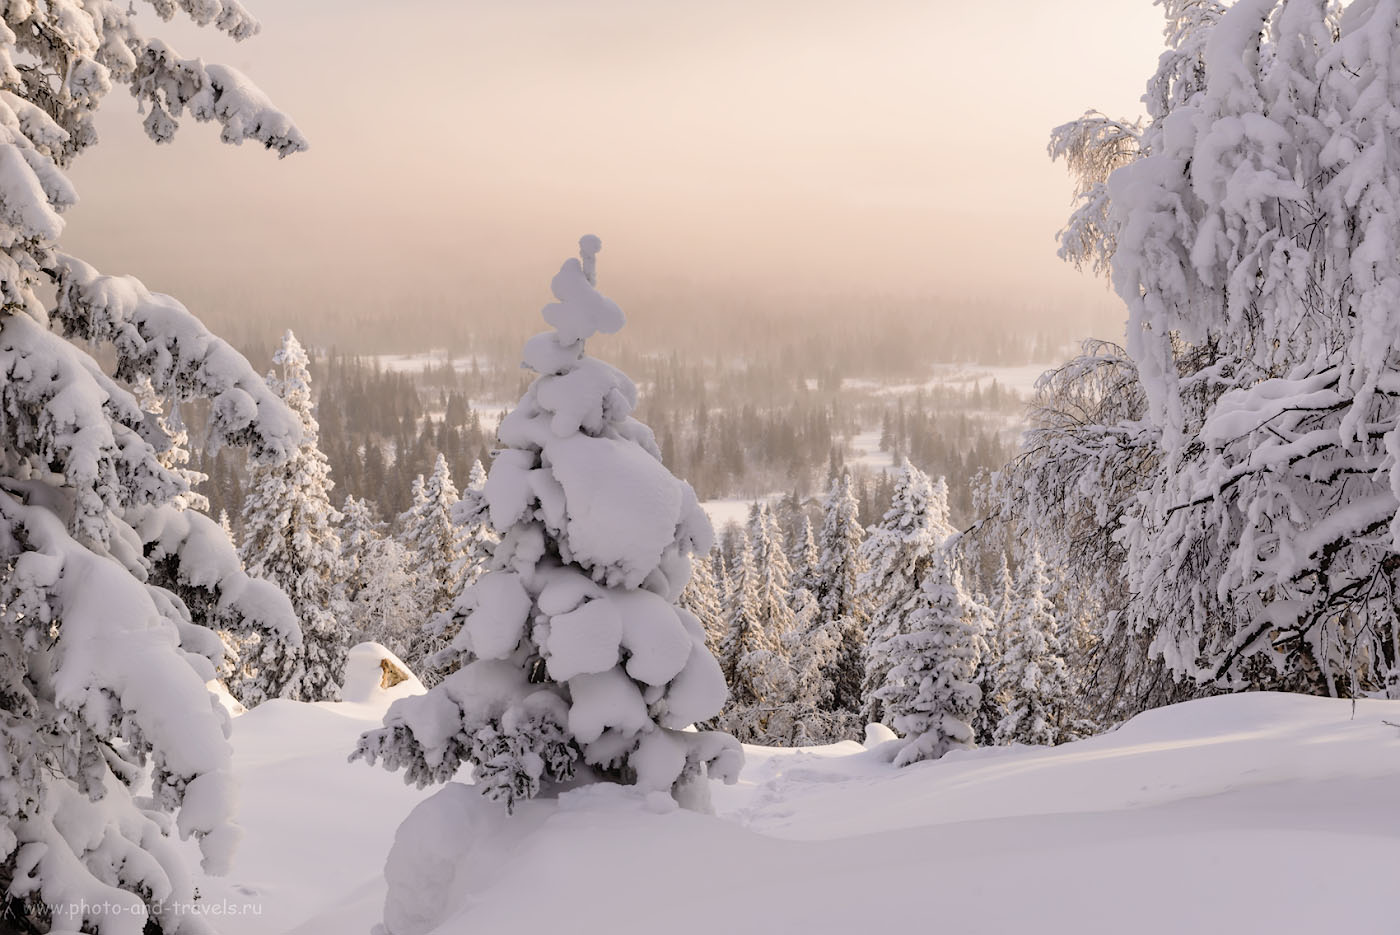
[(775, 612), (931, 692), (1253, 241), (701, 598), (811, 648), (386, 608), (110, 744), (896, 555), (478, 540), (995, 618), (576, 660), (843, 607), (176, 456), (378, 599), (1039, 697), (774, 576), (742, 633), (247, 624), (806, 557), (755, 648), (430, 655), (359, 531), (289, 534), (434, 541)]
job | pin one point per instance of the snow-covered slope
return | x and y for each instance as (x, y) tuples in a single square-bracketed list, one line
[(1246, 813)]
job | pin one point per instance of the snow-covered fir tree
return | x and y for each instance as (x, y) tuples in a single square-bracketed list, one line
[(359, 531), (430, 655), (806, 557), (702, 598), (811, 648), (755, 651), (386, 608), (576, 661), (843, 613), (742, 633), (112, 743), (478, 539), (896, 554), (289, 534), (379, 597), (774, 597), (226, 528), (1034, 681), (176, 456), (435, 541), (255, 632), (995, 618), (931, 692)]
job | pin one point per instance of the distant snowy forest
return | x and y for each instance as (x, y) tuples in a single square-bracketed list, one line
[(764, 420), (1212, 506)]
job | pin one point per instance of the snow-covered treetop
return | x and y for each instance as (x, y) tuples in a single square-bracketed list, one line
[(632, 524), (580, 312)]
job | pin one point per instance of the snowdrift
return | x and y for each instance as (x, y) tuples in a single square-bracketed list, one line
[(1261, 812)]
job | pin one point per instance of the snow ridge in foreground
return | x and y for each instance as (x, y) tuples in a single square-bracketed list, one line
[(1256, 812)]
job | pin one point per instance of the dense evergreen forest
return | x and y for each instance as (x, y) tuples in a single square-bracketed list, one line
[(777, 421)]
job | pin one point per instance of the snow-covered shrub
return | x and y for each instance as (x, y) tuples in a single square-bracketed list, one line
[(110, 742), (576, 660)]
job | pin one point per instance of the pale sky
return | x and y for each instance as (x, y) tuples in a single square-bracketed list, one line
[(786, 146)]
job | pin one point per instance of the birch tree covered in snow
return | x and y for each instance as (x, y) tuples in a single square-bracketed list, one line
[(289, 533), (1254, 236), (1086, 459), (110, 744), (576, 660)]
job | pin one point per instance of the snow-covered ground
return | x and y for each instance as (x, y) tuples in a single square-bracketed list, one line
[(1248, 813), (731, 510), (865, 451), (427, 360)]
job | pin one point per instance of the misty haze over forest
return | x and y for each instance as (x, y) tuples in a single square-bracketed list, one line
[(746, 235)]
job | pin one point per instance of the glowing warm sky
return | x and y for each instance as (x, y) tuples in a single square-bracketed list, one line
[(889, 146)]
